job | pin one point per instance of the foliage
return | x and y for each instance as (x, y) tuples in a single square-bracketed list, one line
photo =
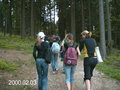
[(42, 18)]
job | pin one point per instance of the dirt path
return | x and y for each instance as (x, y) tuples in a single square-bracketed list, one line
[(56, 82)]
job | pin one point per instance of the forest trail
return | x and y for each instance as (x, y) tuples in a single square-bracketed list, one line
[(27, 71)]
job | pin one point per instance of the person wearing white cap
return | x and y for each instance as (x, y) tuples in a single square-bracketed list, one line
[(42, 66)]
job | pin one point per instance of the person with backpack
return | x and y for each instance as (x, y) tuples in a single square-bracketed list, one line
[(55, 53), (62, 52), (72, 53), (41, 47), (88, 45)]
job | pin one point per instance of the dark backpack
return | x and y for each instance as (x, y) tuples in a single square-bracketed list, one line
[(48, 53), (70, 56), (48, 57)]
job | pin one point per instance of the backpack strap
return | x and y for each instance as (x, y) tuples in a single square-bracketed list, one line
[(70, 45), (74, 45)]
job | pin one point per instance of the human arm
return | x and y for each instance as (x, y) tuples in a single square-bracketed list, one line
[(81, 45), (34, 52), (78, 51)]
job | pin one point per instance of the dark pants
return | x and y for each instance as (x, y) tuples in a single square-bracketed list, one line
[(89, 65)]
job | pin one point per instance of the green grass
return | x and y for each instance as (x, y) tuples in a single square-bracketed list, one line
[(5, 65), (15, 42), (111, 66), (109, 70)]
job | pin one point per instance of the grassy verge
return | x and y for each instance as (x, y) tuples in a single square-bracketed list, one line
[(15, 42), (5, 65), (111, 66)]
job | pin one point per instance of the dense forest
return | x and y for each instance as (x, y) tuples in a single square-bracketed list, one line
[(27, 17)]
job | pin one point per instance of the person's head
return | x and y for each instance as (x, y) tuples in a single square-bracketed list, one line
[(40, 37), (70, 38), (53, 38), (86, 34), (58, 38)]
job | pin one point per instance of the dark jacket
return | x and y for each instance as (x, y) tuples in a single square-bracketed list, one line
[(88, 45), (40, 50)]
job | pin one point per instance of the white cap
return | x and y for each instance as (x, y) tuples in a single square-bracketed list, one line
[(41, 34)]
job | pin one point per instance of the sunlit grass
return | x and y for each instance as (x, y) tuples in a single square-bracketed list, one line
[(111, 66)]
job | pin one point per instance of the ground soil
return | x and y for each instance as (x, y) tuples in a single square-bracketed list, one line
[(27, 71)]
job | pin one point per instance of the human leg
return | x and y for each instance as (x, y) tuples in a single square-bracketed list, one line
[(92, 67), (45, 76), (87, 82), (73, 68), (67, 77), (87, 75), (56, 61), (53, 62), (39, 71), (63, 67)]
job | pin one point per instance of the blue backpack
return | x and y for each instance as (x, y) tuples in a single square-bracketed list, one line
[(55, 48)]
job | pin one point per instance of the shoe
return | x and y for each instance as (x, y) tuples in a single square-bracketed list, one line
[(54, 72), (63, 72), (56, 69)]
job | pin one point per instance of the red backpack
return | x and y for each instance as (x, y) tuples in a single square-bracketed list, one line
[(70, 56)]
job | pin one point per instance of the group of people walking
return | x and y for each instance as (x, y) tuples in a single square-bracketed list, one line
[(70, 52)]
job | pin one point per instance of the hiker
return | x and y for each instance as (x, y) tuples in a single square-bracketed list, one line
[(40, 48), (55, 53), (72, 53), (62, 52), (88, 45)]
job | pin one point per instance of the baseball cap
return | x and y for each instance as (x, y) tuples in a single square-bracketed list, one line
[(41, 34)]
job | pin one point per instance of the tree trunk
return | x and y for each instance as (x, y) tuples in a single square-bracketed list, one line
[(89, 7), (73, 30), (32, 19), (50, 27), (54, 15), (102, 29), (10, 17), (22, 19), (108, 25), (6, 25), (7, 17), (82, 8)]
